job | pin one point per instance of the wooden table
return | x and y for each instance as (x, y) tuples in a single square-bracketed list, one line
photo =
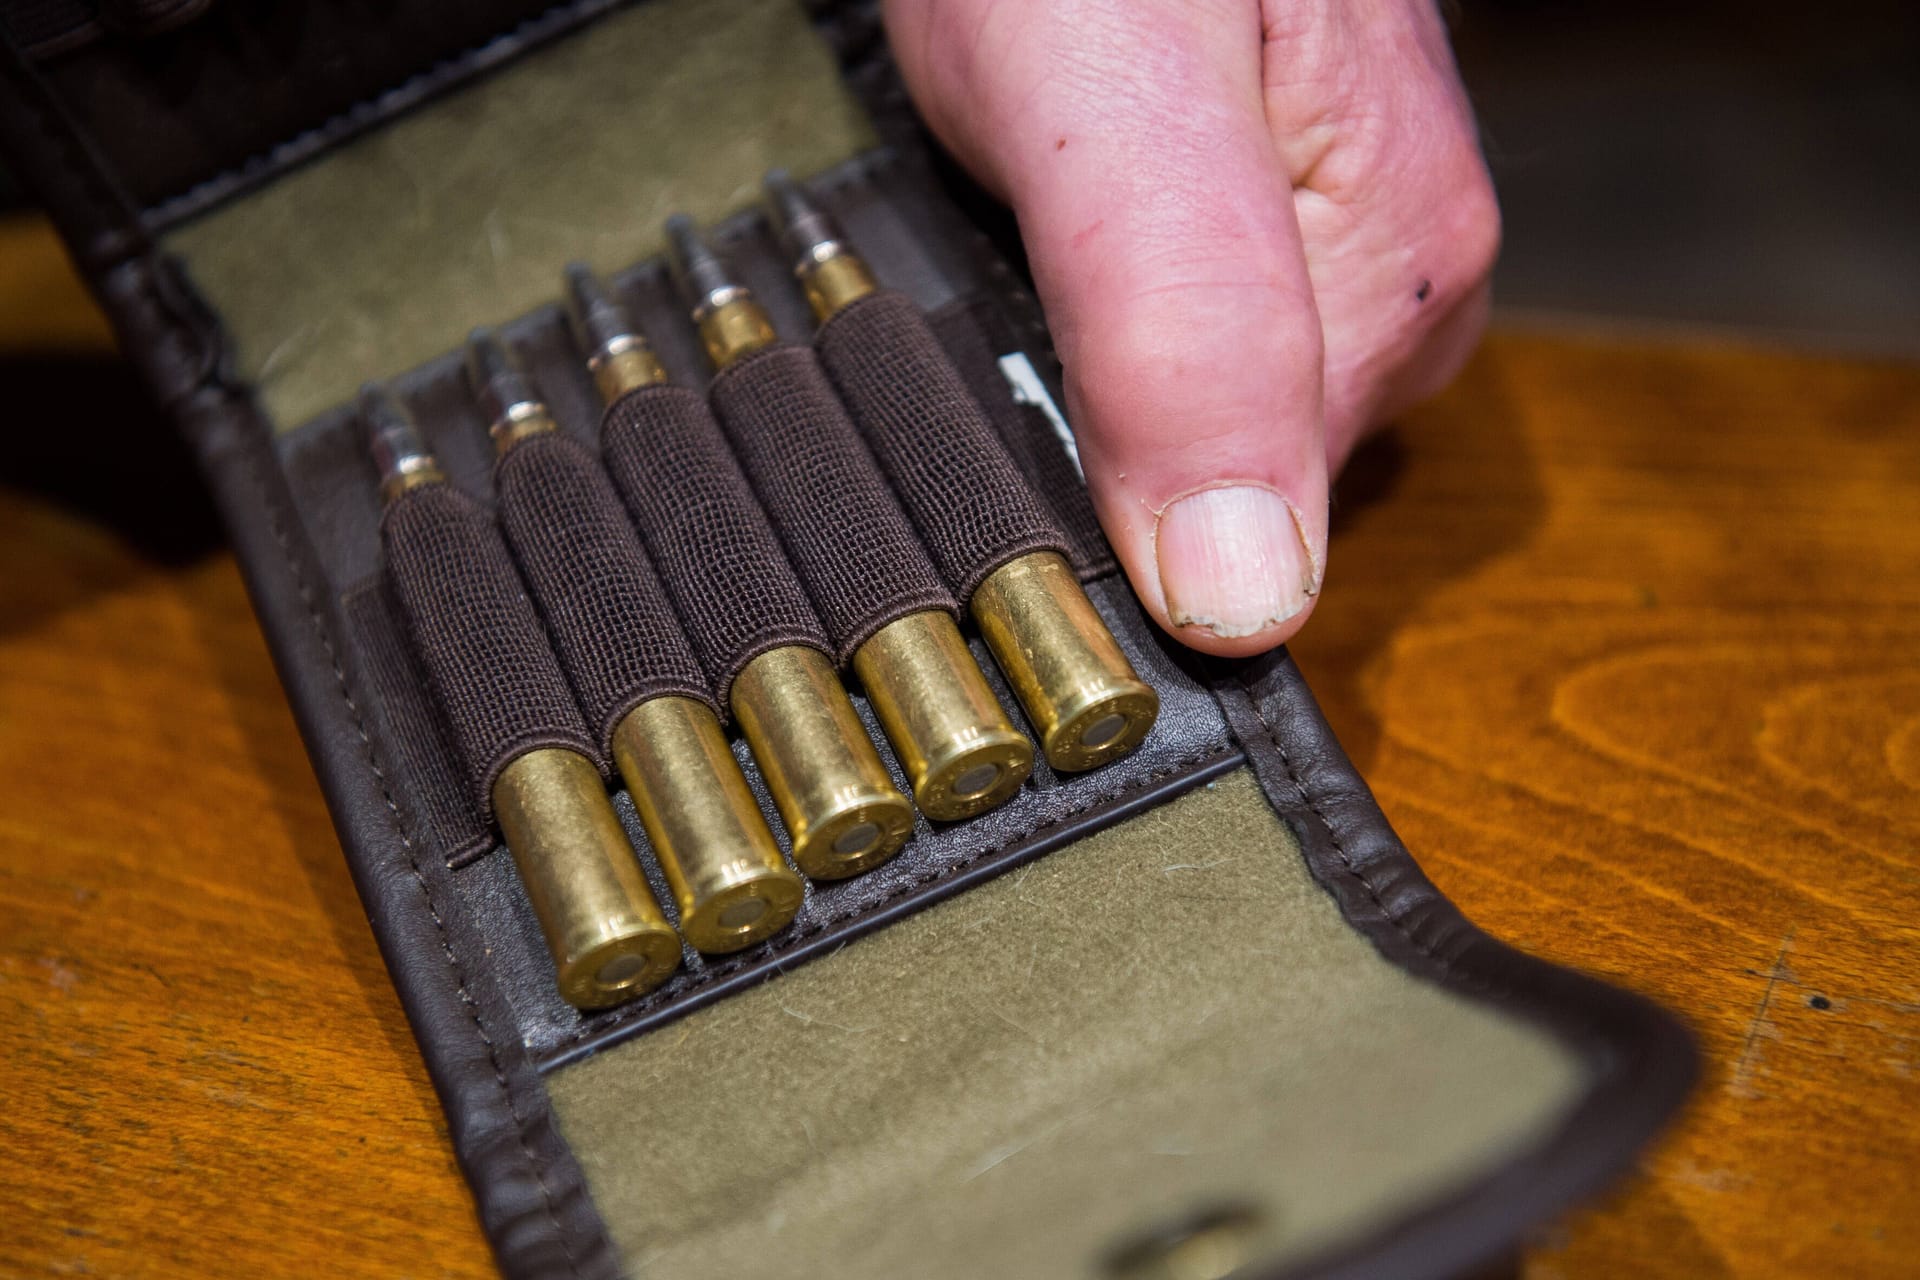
[(1625, 634)]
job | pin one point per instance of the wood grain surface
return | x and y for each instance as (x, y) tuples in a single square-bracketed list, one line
[(1625, 634)]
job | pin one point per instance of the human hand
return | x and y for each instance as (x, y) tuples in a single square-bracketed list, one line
[(1258, 228)]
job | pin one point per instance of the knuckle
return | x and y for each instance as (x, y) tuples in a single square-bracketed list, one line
[(1471, 219)]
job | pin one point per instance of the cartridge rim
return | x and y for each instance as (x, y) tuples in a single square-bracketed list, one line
[(975, 776), (1106, 725), (620, 968), (833, 850), (747, 911)]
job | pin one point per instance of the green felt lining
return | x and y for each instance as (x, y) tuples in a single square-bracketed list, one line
[(383, 253), (1166, 1018)]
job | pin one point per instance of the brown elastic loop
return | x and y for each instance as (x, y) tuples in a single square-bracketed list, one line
[(718, 558), (432, 775), (970, 503), (975, 335), (476, 634), (855, 550), (609, 620)]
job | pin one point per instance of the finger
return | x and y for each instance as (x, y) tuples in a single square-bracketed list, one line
[(1396, 211), (1159, 222)]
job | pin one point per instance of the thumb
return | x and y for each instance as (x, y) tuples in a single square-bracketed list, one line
[(1132, 143)]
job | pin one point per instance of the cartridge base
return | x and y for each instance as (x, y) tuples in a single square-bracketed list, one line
[(1075, 685), (842, 811), (620, 970), (961, 753), (738, 915), (857, 837)]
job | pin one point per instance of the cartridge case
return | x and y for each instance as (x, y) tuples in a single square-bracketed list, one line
[(1076, 686), (834, 280), (729, 882), (842, 811), (609, 940), (623, 368), (733, 328), (961, 753), (521, 422)]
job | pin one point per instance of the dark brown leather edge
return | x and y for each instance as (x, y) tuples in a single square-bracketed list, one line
[(532, 1199), (531, 1196), (50, 27), (1642, 1061)]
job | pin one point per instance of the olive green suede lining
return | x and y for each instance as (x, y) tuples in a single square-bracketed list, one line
[(382, 254), (1166, 1018)]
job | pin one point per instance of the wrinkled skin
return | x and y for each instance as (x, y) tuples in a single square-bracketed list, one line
[(1258, 229)]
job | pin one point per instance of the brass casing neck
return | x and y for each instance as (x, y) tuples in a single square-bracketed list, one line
[(729, 882), (1077, 687), (521, 422), (843, 813), (618, 369), (413, 472), (608, 937), (961, 753), (834, 278), (733, 328)]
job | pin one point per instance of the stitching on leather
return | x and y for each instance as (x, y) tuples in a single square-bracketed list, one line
[(278, 527), (343, 123), (1333, 836), (631, 1012)]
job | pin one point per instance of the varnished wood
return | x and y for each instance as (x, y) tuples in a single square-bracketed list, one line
[(203, 1067), (1625, 636)]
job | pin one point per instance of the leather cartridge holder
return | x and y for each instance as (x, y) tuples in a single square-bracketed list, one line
[(277, 203)]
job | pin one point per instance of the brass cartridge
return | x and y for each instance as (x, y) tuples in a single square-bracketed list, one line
[(732, 324), (617, 356), (1083, 697), (608, 937), (842, 812), (726, 873), (729, 882), (961, 753), (959, 749), (1069, 674)]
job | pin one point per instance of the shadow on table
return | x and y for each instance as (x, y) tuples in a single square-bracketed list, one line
[(252, 689), (1419, 506), (1590, 1242), (84, 437)]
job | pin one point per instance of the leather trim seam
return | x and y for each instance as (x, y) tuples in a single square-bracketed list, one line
[(277, 524), (1452, 975), (371, 110)]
